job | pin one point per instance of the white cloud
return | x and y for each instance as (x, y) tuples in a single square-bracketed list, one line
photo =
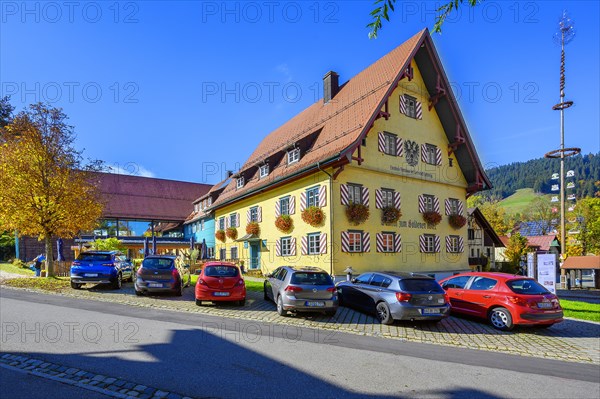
[(130, 168)]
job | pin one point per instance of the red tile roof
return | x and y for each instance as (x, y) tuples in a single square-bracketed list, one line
[(581, 262), (541, 242), (135, 197)]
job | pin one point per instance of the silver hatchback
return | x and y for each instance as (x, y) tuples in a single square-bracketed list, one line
[(395, 296), (301, 289)]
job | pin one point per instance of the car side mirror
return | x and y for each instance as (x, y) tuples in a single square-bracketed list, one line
[(353, 281), (269, 275)]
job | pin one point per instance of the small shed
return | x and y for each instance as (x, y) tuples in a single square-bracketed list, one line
[(584, 271)]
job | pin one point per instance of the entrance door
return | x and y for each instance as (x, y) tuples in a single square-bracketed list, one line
[(254, 255)]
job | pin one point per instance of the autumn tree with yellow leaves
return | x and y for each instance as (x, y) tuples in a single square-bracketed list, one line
[(46, 189)]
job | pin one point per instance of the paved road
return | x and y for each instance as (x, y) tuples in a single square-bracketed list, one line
[(206, 356)]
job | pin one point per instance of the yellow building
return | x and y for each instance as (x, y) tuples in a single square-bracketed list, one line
[(385, 160)]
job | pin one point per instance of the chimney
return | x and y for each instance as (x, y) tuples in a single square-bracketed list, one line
[(331, 86)]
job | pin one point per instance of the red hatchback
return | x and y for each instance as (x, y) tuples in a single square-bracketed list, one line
[(220, 281), (504, 299)]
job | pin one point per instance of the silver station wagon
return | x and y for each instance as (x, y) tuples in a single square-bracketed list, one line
[(395, 296), (301, 289)]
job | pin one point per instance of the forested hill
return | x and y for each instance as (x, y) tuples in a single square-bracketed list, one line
[(537, 174)]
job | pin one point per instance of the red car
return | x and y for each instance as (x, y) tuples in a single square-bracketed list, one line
[(504, 299), (220, 281)]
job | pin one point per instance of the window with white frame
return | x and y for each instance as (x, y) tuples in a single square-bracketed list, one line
[(428, 200), (234, 252), (254, 214), (293, 155), (354, 194), (387, 242), (284, 206), (209, 201), (286, 246), (233, 219), (202, 225), (411, 106), (354, 241), (387, 196), (431, 151), (221, 223), (314, 244), (223, 253), (429, 243), (194, 227), (263, 170), (312, 197), (390, 143), (453, 244), (240, 182)]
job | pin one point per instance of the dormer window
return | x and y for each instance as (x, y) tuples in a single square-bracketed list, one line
[(293, 156), (240, 182), (264, 170), (209, 201)]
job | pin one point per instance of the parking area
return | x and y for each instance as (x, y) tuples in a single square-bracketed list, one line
[(571, 340)]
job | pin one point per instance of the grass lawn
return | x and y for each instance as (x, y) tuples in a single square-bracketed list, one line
[(10, 268), (581, 310), (250, 285), (54, 284), (519, 201)]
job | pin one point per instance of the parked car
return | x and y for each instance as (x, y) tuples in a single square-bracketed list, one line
[(220, 282), (505, 300), (301, 289), (101, 267), (395, 296), (162, 273)]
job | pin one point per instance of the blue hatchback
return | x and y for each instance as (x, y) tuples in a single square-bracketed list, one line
[(101, 267)]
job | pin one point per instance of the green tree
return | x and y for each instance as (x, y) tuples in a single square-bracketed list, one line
[(540, 209), (7, 245), (108, 244), (496, 217), (515, 249), (588, 211), (383, 8), (6, 110), (45, 188)]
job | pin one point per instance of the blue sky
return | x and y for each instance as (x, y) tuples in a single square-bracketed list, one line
[(186, 90)]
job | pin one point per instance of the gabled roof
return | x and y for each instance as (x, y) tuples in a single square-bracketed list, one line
[(332, 131), (543, 243), (136, 197), (214, 192), (486, 226)]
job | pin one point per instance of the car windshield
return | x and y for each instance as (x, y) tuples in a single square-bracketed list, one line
[(306, 278), (88, 257), (221, 271), (157, 263), (420, 285), (527, 287)]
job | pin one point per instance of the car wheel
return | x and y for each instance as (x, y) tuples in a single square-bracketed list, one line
[(265, 295), (383, 313), (75, 286), (501, 319), (242, 302), (139, 293), (118, 282), (340, 298), (198, 302), (179, 292), (280, 310)]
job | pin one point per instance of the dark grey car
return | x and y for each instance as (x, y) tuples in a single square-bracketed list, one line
[(301, 289), (162, 273), (395, 296)]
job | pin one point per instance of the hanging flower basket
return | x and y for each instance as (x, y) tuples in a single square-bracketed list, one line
[(432, 217), (220, 235), (457, 221), (357, 213), (313, 215), (390, 214), (231, 232), (284, 223), (253, 228)]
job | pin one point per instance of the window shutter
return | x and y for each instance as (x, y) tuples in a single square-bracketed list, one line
[(227, 222), (278, 248), (302, 201), (437, 243), (322, 196), (399, 147), (419, 110), (304, 245), (365, 196), (438, 156), (461, 208), (403, 105), (323, 244), (378, 199), (366, 242), (447, 206), (397, 243), (422, 243), (436, 204), (461, 245), (379, 242), (344, 194), (448, 244), (421, 204), (277, 208), (237, 220), (345, 242), (259, 214), (292, 205), (397, 200), (423, 153), (292, 246), (248, 217), (381, 142)]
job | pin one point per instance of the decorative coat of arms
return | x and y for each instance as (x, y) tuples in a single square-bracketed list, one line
[(411, 149)]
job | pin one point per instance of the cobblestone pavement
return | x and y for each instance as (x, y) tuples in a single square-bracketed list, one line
[(571, 340)]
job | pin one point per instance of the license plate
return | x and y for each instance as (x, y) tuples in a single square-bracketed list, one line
[(431, 311), (91, 274), (314, 304), (221, 294), (155, 285), (545, 305)]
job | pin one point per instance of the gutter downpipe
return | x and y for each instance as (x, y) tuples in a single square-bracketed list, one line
[(331, 221)]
